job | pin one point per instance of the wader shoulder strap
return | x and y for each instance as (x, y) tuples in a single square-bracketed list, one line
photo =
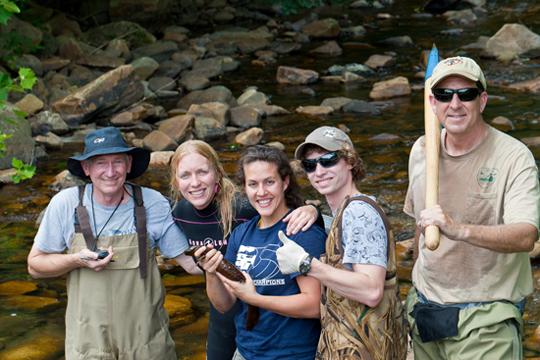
[(83, 222), (140, 223)]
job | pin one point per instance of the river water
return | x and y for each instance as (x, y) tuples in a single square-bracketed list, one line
[(32, 324)]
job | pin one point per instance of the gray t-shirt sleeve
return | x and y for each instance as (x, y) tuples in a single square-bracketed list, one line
[(363, 235), (57, 225), (160, 225)]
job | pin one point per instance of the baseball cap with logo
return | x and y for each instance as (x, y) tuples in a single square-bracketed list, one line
[(460, 66), (108, 141), (327, 137)]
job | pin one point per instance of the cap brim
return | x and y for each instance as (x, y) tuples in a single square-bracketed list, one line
[(139, 163), (441, 77), (300, 148)]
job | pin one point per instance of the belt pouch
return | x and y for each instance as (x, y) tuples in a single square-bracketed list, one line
[(435, 322)]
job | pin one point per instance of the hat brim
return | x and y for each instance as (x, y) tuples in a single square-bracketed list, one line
[(299, 152), (444, 75), (139, 163)]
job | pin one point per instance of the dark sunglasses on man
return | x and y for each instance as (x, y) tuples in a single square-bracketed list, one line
[(327, 160), (446, 95)]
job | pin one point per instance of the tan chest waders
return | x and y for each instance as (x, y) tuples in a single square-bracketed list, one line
[(117, 313), (352, 330)]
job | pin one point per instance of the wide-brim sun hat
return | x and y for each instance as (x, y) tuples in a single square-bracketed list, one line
[(327, 137), (108, 141)]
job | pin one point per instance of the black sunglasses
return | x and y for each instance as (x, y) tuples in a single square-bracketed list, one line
[(446, 95), (326, 161)]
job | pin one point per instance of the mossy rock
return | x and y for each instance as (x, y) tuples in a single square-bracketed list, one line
[(133, 33), (16, 287)]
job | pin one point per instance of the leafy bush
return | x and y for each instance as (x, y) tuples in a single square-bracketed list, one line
[(24, 82)]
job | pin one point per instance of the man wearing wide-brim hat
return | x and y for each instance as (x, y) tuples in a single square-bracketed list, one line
[(103, 236)]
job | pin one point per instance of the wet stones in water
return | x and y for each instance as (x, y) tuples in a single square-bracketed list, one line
[(336, 103), (160, 159), (330, 48), (217, 93), (194, 82), (503, 123), (295, 76), (215, 110), (271, 110), (354, 68), (326, 28), (315, 110), (376, 61), (461, 17), (16, 287), (208, 128), (43, 343), (179, 309), (51, 141), (528, 85), (26, 302), (159, 141), (245, 116), (178, 127), (395, 87), (250, 137), (252, 97), (512, 40), (159, 51), (361, 107), (144, 67), (398, 41)]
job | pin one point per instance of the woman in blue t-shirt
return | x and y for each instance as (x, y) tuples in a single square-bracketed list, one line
[(288, 325), (207, 208)]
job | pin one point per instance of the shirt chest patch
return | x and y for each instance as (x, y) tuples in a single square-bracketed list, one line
[(486, 176)]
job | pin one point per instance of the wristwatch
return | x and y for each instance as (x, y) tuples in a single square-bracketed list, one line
[(305, 265)]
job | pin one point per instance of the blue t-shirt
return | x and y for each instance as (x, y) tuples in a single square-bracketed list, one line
[(253, 250)]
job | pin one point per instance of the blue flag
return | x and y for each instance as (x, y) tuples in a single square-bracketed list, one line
[(433, 60)]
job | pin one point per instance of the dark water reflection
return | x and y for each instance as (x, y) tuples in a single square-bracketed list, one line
[(386, 162)]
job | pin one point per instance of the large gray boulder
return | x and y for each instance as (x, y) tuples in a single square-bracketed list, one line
[(20, 144), (105, 95), (511, 41)]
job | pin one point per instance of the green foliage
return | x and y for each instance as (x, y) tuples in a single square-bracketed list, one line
[(7, 8), (25, 81), (3, 138), (9, 43), (23, 171)]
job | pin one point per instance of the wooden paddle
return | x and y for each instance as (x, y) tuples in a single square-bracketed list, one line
[(433, 143)]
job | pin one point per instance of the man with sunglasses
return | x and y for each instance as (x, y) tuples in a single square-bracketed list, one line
[(361, 315), (469, 293)]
